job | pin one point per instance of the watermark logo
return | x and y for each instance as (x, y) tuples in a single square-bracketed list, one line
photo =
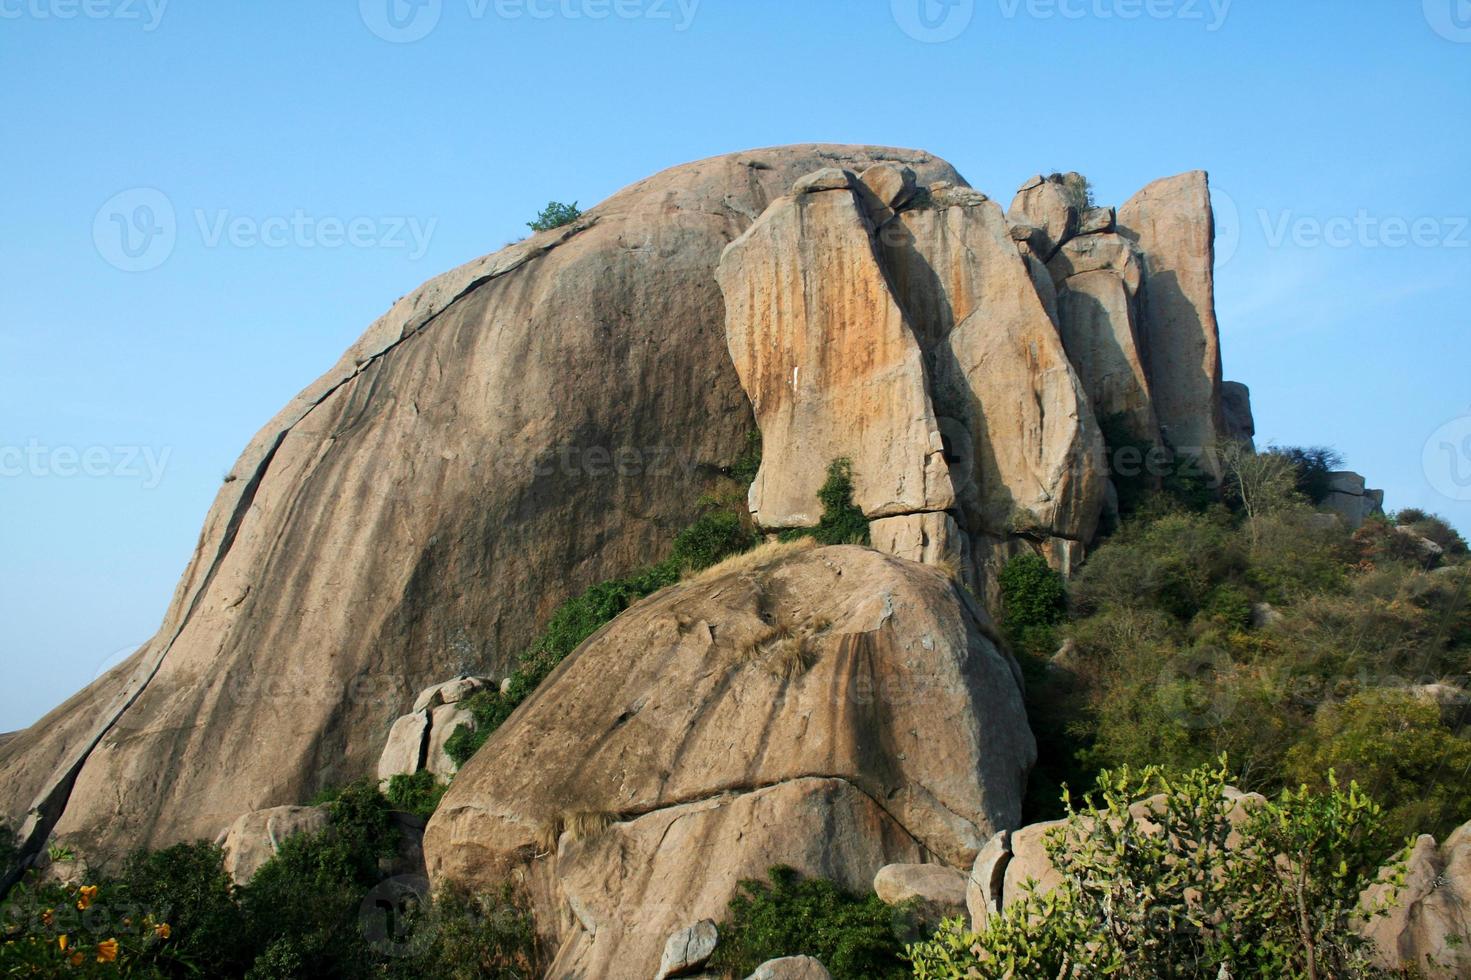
[(1447, 459), (1189, 691), (136, 230), (933, 21), (149, 13), (1451, 19), (1211, 14), (401, 21), (389, 913), (37, 460), (115, 658), (1364, 229), (1228, 225)]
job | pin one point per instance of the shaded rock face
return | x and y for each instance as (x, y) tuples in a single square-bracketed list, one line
[(510, 433), (1350, 498), (1426, 931), (833, 709)]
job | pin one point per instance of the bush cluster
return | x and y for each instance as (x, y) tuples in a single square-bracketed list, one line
[(789, 915), (555, 215), (842, 521)]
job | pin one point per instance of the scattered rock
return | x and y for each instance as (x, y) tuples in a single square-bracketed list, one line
[(688, 950), (827, 179), (1264, 615), (403, 753), (938, 890), (1430, 552), (985, 886), (791, 968), (255, 838), (451, 692)]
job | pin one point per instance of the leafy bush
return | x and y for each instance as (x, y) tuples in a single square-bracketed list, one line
[(186, 887), (1172, 900), (1033, 601), (1315, 466), (1396, 746), (53, 930), (555, 215), (9, 848), (418, 794), (794, 916), (842, 522), (711, 539), (464, 936), (1435, 528)]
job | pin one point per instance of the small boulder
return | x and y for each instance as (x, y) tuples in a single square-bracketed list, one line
[(451, 692), (1050, 206), (983, 890), (688, 950), (444, 722), (940, 891), (891, 184), (1264, 615), (1096, 221), (403, 753), (255, 838), (826, 179), (791, 968)]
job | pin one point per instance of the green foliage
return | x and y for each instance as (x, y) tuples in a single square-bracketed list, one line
[(711, 539), (49, 929), (1315, 466), (842, 522), (464, 936), (418, 794), (746, 465), (794, 916), (555, 215), (9, 848), (186, 886), (1153, 891), (1033, 601), (1395, 745), (1435, 528)]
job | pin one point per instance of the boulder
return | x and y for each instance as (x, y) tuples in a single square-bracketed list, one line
[(1049, 206), (445, 721), (791, 968), (1351, 500), (937, 890), (256, 837), (1236, 417), (1430, 552), (1096, 221), (832, 368), (826, 179), (997, 367), (932, 539), (451, 692), (1264, 615), (985, 886), (1426, 929), (892, 185), (404, 751), (426, 504), (688, 950), (1095, 313), (1095, 252), (1172, 224), (746, 718)]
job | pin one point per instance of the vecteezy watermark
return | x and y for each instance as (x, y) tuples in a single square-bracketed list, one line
[(1365, 230), (390, 912), (1451, 19), (138, 229), (149, 13), (34, 459), (1447, 458), (933, 21), (406, 21), (1211, 14)]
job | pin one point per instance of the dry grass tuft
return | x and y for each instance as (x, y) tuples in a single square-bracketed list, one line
[(586, 824), (757, 558), (786, 649), (950, 565)]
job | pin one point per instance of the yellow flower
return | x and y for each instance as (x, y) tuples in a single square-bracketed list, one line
[(46, 917), (107, 951), (86, 893), (162, 930), (61, 941), (76, 959)]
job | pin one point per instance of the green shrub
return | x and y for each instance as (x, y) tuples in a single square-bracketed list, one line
[(1435, 528), (794, 916), (186, 886), (712, 539), (9, 848), (465, 936), (555, 215), (746, 465), (418, 794), (842, 522), (1032, 594), (1315, 466), (1138, 902), (1396, 746)]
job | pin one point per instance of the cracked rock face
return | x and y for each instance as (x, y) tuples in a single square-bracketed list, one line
[(509, 434), (834, 709)]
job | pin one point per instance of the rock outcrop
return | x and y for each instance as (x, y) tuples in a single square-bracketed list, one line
[(1351, 499), (1427, 931), (833, 709), (255, 838), (416, 741), (507, 435)]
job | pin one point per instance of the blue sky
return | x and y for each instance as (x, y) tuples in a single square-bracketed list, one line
[(322, 159)]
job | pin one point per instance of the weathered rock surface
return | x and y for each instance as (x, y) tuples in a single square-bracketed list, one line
[(1096, 318), (833, 709), (1351, 500), (255, 838), (688, 950), (985, 887), (1427, 929), (938, 890), (791, 968), (1023, 438), (1048, 205), (832, 368), (1236, 417), (1172, 223), (505, 436), (451, 692)]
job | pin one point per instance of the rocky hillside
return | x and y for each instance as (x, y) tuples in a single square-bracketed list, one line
[(547, 417)]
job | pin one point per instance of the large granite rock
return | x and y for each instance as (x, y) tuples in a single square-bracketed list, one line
[(1096, 317), (791, 968), (1427, 931), (936, 891), (832, 368), (833, 709), (505, 436), (1350, 498), (1050, 206), (1172, 223), (1025, 449), (255, 838)]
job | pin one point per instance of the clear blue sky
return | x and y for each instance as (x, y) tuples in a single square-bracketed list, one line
[(1308, 114)]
